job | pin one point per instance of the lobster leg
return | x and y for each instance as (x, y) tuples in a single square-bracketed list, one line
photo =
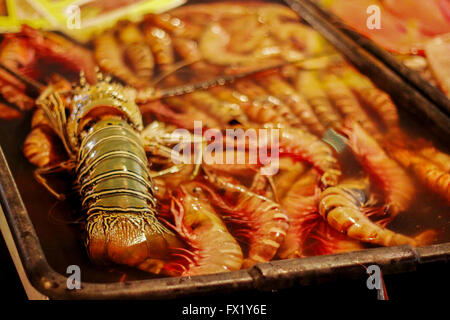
[(39, 174), (157, 148), (170, 170)]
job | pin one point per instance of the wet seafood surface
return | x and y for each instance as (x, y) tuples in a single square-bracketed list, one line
[(349, 172)]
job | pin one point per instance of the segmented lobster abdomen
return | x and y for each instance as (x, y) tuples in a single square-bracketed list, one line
[(113, 170), (116, 193)]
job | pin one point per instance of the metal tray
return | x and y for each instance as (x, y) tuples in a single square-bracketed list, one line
[(46, 249), (433, 93)]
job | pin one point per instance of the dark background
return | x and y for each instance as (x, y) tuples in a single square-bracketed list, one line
[(427, 282)]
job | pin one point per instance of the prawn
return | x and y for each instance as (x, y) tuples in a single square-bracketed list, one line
[(330, 241), (289, 172), (427, 172), (213, 248), (264, 222), (308, 85), (277, 86), (161, 45), (223, 111), (373, 98), (213, 45), (397, 186), (300, 144), (300, 204), (109, 57), (344, 206), (265, 108), (136, 51), (347, 103)]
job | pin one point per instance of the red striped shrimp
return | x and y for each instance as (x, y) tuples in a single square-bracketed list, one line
[(163, 111), (174, 25), (373, 98), (265, 108), (14, 95), (60, 52), (427, 172), (277, 86), (436, 156), (308, 85), (297, 143), (161, 45), (188, 50), (397, 186), (108, 55), (263, 222), (212, 248), (347, 103), (136, 51), (300, 204), (290, 171), (329, 241), (344, 207), (18, 55)]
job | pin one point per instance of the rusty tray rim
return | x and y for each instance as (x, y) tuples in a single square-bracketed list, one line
[(265, 276), (432, 93)]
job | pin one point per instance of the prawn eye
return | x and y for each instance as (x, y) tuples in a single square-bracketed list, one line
[(233, 122), (197, 189)]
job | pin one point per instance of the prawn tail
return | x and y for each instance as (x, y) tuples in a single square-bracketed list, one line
[(426, 237)]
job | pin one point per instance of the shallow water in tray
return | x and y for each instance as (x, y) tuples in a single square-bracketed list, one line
[(61, 234), (62, 242)]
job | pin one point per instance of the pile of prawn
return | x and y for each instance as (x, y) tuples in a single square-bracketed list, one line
[(230, 216)]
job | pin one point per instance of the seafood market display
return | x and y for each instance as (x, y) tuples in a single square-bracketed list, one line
[(334, 167), (416, 31)]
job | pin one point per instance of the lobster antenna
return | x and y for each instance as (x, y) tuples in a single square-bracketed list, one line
[(172, 70), (224, 79), (31, 83)]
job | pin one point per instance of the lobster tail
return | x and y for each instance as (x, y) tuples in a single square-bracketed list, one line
[(116, 192)]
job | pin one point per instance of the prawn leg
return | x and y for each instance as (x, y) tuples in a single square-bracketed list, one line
[(300, 204)]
